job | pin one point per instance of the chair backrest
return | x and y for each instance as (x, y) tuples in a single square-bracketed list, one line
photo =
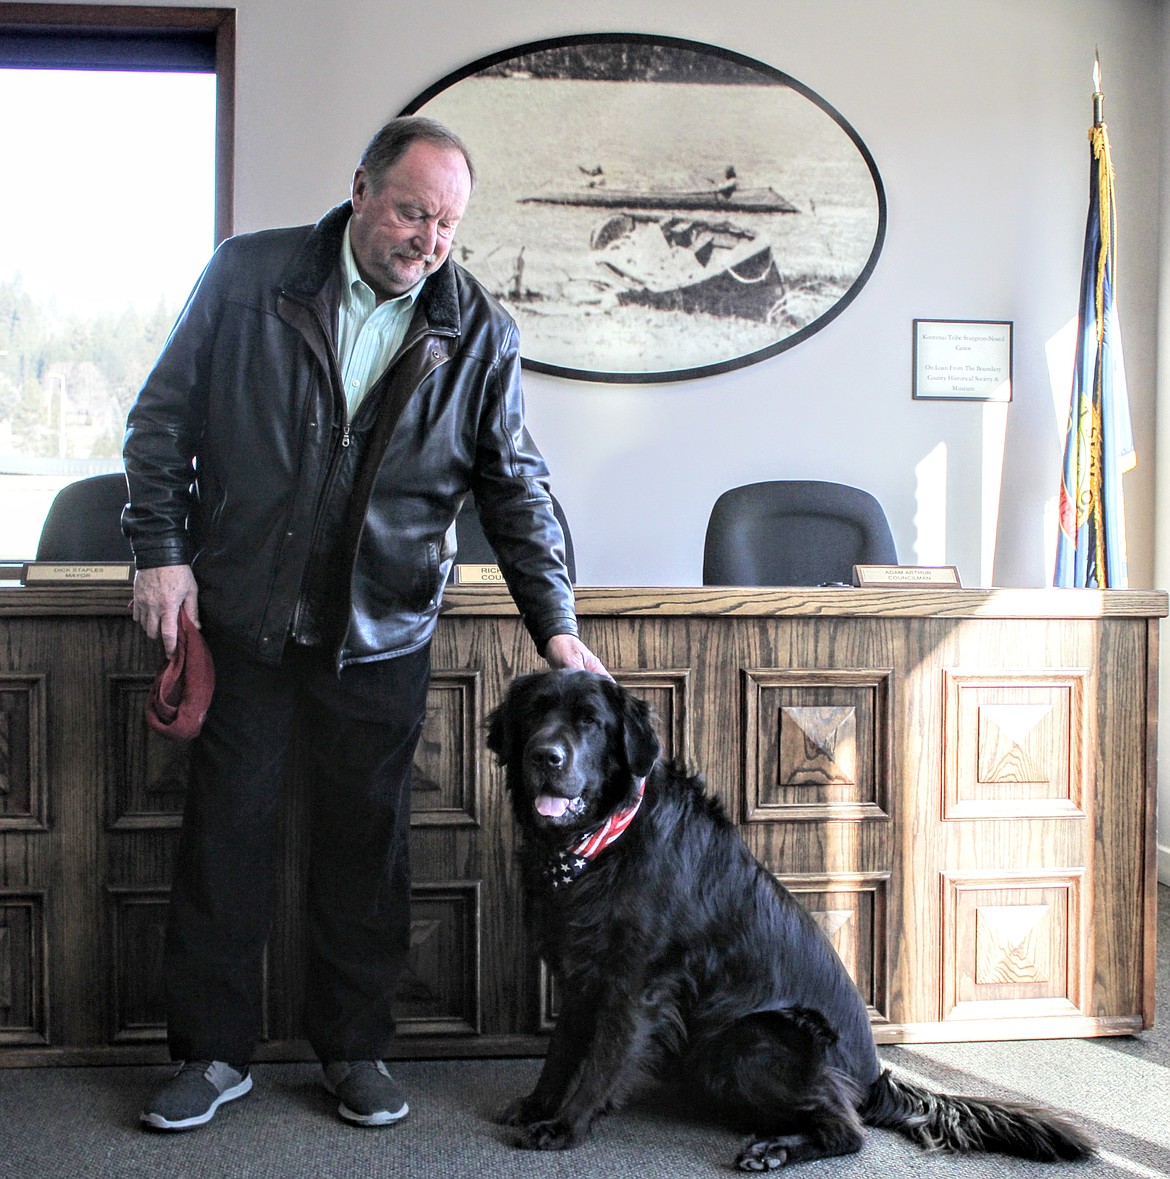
[(475, 549), (84, 522), (794, 532)]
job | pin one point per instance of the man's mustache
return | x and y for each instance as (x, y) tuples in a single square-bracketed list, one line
[(412, 256)]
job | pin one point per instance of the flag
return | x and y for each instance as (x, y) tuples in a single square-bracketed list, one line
[(1090, 547)]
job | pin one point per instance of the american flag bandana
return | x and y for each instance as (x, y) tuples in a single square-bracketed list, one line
[(567, 864)]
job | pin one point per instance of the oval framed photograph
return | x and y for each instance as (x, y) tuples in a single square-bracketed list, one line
[(653, 209)]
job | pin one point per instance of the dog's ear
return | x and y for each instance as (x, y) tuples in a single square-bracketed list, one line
[(505, 719), (641, 740), (500, 729)]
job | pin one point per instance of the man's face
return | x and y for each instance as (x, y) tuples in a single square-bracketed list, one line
[(403, 232)]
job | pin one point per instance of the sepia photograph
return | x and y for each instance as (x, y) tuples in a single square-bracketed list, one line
[(652, 209)]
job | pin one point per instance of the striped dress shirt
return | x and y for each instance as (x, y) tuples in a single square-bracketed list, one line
[(368, 335)]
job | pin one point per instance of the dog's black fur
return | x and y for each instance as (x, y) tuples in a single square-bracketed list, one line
[(679, 956)]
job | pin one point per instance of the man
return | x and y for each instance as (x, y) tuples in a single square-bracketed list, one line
[(327, 399)]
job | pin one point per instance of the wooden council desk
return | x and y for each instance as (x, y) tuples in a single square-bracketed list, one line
[(959, 784)]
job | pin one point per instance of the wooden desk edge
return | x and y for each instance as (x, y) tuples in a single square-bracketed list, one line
[(699, 601), (739, 601)]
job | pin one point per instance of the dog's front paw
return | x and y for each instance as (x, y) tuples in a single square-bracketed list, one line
[(549, 1135), (762, 1156), (523, 1111)]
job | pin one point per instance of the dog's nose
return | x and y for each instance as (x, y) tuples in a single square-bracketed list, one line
[(548, 757)]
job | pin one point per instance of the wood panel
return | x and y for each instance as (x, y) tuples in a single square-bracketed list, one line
[(854, 912), (24, 982), (959, 785), (1013, 945), (816, 744)]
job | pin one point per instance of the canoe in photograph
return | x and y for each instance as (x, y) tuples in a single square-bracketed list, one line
[(727, 200)]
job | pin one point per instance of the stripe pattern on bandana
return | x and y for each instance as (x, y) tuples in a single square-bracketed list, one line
[(569, 863)]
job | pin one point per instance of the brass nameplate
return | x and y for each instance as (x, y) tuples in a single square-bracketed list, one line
[(910, 576), (72, 572), (478, 575)]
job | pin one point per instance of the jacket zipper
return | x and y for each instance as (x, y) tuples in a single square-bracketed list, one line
[(334, 457)]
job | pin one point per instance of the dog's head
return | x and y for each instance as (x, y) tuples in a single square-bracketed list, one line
[(575, 746)]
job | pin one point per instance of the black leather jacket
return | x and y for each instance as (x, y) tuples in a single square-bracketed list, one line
[(297, 522)]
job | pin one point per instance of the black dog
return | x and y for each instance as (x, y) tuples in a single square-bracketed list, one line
[(679, 956)]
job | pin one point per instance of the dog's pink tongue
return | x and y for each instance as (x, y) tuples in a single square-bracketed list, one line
[(551, 806)]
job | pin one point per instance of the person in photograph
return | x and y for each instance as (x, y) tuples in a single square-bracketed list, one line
[(327, 399)]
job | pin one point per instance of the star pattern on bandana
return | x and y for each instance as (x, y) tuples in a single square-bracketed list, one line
[(563, 868)]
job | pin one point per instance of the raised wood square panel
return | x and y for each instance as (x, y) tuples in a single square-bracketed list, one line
[(138, 925), (816, 744), (138, 922), (666, 692), (147, 773), (23, 969), (852, 912), (439, 993), (445, 787), (1013, 946), (1014, 745), (23, 798)]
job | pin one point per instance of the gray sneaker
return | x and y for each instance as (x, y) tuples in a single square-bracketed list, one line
[(191, 1097), (369, 1096)]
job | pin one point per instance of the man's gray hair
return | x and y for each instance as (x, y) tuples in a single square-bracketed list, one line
[(390, 144)]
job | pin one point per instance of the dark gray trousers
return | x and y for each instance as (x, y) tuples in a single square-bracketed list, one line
[(361, 729)]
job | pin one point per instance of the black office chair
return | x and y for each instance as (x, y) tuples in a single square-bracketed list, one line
[(798, 532), (475, 549), (84, 522)]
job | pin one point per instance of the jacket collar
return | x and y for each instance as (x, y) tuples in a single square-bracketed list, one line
[(315, 261)]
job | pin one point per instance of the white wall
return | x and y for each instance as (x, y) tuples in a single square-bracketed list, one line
[(976, 115)]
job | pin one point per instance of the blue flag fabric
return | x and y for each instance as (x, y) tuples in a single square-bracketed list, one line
[(1090, 549)]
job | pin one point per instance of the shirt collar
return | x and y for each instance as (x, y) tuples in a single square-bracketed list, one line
[(356, 289)]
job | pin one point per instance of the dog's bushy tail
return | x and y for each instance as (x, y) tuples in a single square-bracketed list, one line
[(940, 1121)]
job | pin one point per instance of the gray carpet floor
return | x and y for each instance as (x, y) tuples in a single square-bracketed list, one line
[(81, 1123)]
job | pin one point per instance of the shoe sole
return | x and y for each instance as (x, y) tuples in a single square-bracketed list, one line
[(158, 1122), (381, 1117)]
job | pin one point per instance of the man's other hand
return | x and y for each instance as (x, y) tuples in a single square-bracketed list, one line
[(159, 595)]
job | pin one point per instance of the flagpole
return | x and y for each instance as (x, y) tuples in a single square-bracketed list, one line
[(1090, 550)]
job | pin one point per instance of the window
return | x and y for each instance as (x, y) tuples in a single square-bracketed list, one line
[(118, 166)]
